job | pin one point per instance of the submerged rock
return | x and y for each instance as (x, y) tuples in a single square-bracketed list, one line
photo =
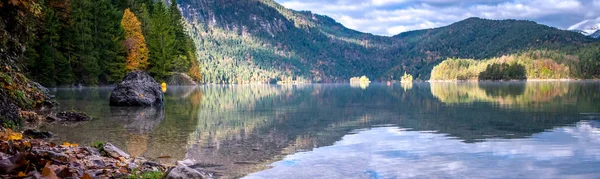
[(137, 89), (73, 116), (181, 79), (37, 134)]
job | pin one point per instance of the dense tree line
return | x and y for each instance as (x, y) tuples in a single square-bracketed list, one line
[(92, 42), (503, 71), (534, 64)]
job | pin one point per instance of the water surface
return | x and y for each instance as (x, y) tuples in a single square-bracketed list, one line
[(421, 130)]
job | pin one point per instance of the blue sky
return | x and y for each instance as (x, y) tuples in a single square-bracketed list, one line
[(390, 17)]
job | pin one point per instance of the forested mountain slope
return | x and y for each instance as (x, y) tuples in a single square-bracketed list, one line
[(94, 42), (478, 39), (261, 41)]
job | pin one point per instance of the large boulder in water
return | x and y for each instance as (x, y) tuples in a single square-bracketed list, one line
[(137, 89)]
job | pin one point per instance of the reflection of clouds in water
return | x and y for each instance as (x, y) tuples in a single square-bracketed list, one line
[(388, 152)]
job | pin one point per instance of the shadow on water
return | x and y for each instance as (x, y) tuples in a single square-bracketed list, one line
[(236, 130)]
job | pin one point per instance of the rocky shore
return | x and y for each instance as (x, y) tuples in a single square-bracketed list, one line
[(29, 154), (25, 104), (23, 156)]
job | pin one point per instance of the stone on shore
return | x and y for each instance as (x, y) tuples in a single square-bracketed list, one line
[(181, 171), (35, 158), (137, 89), (114, 151)]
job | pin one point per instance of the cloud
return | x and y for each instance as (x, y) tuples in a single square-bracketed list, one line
[(390, 17), (388, 152), (578, 25)]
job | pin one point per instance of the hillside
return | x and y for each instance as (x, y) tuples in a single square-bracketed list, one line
[(478, 39), (94, 42), (262, 41)]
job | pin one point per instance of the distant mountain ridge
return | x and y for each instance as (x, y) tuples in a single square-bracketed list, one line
[(588, 27), (479, 38), (249, 41), (596, 34)]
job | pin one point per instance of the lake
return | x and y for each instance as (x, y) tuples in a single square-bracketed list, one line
[(420, 130)]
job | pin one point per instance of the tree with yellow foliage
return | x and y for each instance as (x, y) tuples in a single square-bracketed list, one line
[(194, 71), (135, 43)]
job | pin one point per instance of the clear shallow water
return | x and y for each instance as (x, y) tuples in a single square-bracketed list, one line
[(465, 130)]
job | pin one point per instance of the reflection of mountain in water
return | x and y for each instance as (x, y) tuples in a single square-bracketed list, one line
[(239, 129), (241, 135), (389, 152)]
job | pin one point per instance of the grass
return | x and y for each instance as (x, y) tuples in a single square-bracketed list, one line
[(8, 123), (146, 175), (100, 146)]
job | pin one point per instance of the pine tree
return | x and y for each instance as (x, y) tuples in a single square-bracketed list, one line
[(83, 59), (108, 35), (135, 42), (182, 61), (161, 42), (144, 17)]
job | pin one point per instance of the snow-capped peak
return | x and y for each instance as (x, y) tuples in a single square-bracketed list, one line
[(587, 27)]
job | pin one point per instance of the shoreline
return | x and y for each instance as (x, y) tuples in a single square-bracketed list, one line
[(30, 154), (505, 81), (287, 84)]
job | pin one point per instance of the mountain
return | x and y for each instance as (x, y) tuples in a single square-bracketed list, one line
[(596, 34), (478, 39), (593, 32), (249, 41), (588, 27), (262, 41)]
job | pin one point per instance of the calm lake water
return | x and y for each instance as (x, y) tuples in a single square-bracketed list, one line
[(420, 130)]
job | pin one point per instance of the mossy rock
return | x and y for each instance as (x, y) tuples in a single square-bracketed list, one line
[(17, 92)]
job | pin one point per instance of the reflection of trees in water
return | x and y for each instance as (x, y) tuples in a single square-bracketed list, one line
[(139, 122), (244, 127), (94, 101), (360, 85), (505, 94), (172, 137), (225, 111), (406, 85)]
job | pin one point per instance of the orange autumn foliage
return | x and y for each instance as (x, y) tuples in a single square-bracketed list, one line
[(135, 43), (194, 71)]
